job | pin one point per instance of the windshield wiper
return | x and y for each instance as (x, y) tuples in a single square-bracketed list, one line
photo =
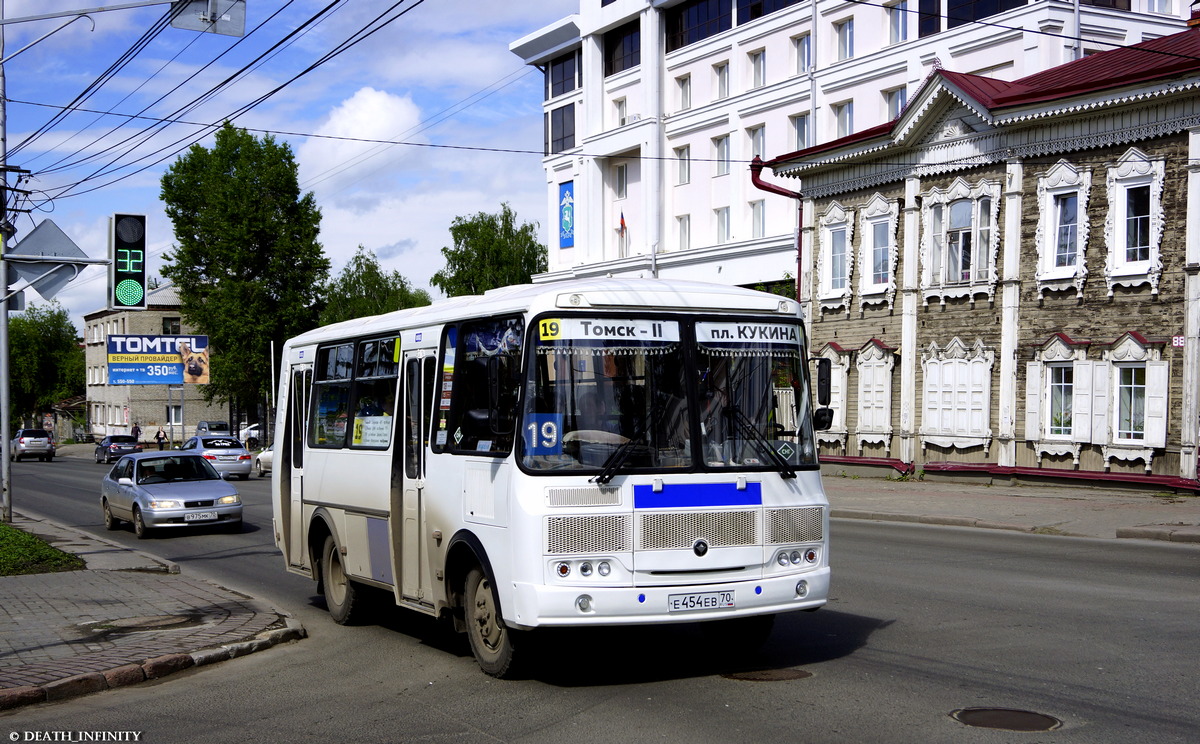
[(624, 449), (761, 443)]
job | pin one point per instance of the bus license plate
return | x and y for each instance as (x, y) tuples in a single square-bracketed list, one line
[(700, 601), (200, 517)]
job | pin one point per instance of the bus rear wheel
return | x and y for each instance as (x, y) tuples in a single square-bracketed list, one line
[(492, 642), (341, 595)]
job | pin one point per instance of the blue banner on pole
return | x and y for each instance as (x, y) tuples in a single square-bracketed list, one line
[(566, 214)]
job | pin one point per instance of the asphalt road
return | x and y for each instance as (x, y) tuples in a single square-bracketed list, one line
[(1101, 634)]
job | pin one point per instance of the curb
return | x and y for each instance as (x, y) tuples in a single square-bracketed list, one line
[(155, 668)]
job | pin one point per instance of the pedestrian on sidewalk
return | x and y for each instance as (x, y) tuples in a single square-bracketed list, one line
[(136, 432), (160, 438)]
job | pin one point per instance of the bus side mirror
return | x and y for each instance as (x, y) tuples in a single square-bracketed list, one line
[(822, 419), (824, 381)]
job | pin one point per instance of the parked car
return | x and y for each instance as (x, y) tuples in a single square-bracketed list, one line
[(212, 427), (32, 443), (167, 489), (263, 462), (226, 454), (114, 446)]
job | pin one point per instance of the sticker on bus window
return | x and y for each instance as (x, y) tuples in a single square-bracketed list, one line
[(542, 433), (549, 329)]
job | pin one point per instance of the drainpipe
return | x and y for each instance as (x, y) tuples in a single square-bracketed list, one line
[(756, 167)]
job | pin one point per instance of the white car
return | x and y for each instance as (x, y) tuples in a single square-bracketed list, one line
[(263, 461)]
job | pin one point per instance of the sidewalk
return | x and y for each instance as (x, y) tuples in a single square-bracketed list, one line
[(128, 617)]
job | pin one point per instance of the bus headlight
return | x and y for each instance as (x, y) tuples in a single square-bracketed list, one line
[(782, 559), (604, 569), (585, 569)]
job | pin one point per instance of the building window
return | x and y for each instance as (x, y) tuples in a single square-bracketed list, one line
[(897, 15), (620, 180), (1061, 399), (844, 31), (721, 73), (1160, 6), (895, 100), (562, 129), (802, 46), (683, 159), (721, 155), (683, 88), (758, 140), (1131, 402), (749, 10), (1062, 233), (758, 68), (878, 225), (175, 415), (957, 390), (961, 12), (619, 112), (929, 17), (875, 363), (800, 137), (1134, 224), (959, 243), (171, 327), (683, 225), (561, 76), (697, 20), (758, 218), (622, 48), (722, 220), (835, 262), (843, 114)]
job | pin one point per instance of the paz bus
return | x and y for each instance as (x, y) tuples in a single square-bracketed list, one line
[(592, 452)]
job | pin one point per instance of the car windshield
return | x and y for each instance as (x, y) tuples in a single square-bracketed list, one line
[(220, 444), (174, 469), (123, 439), (609, 395)]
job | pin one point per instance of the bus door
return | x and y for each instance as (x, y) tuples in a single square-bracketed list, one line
[(418, 379), (298, 397)]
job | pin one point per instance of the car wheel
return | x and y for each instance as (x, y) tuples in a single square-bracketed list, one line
[(110, 522), (493, 643), (258, 469), (139, 525), (342, 596)]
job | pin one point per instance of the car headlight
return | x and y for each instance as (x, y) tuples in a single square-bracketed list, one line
[(163, 504), (226, 500)]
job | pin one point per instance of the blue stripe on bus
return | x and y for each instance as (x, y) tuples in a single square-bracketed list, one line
[(697, 494)]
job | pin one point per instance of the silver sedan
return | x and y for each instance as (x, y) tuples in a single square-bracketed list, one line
[(224, 453), (167, 489)]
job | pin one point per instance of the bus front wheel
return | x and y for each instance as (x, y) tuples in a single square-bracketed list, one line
[(341, 595), (492, 642)]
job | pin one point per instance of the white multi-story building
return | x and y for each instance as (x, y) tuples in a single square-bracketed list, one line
[(655, 108)]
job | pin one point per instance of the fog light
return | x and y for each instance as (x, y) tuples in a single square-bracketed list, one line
[(604, 568), (585, 569), (782, 559), (802, 589), (563, 569), (584, 603), (796, 557)]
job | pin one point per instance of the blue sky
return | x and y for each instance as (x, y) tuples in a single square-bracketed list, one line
[(440, 75)]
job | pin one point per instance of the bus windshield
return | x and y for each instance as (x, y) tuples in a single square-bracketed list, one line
[(608, 394)]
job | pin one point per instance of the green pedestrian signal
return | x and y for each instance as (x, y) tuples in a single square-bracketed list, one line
[(127, 274)]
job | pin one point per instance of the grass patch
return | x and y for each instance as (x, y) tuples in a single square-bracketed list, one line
[(23, 553)]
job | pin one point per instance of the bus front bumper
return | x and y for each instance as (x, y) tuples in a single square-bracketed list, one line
[(538, 605)]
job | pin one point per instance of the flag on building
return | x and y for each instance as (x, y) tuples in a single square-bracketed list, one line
[(621, 229)]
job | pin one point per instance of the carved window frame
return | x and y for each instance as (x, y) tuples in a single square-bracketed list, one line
[(1134, 169), (934, 283), (886, 212), (958, 362), (835, 218), (1064, 179)]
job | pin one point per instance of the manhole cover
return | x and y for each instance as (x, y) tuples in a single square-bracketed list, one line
[(1006, 719), (769, 675)]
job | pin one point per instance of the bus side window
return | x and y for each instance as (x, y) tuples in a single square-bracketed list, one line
[(484, 387), (331, 396)]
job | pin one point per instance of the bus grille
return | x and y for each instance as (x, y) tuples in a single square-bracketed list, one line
[(583, 496), (602, 533), (794, 525), (673, 530)]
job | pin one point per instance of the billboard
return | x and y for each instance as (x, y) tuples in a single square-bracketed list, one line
[(157, 360)]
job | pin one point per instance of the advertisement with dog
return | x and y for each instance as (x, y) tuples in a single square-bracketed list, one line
[(158, 360)]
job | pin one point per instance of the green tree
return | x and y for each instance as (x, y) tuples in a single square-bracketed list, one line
[(247, 263), (363, 288), (489, 251), (46, 362)]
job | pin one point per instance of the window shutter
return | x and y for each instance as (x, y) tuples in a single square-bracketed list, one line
[(1101, 402), (1081, 403), (1157, 380), (1033, 401)]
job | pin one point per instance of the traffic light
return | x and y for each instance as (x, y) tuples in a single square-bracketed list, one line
[(127, 274)]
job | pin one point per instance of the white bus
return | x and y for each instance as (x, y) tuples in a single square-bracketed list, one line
[(594, 452)]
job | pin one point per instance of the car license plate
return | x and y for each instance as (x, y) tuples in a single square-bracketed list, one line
[(200, 516), (700, 601)]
